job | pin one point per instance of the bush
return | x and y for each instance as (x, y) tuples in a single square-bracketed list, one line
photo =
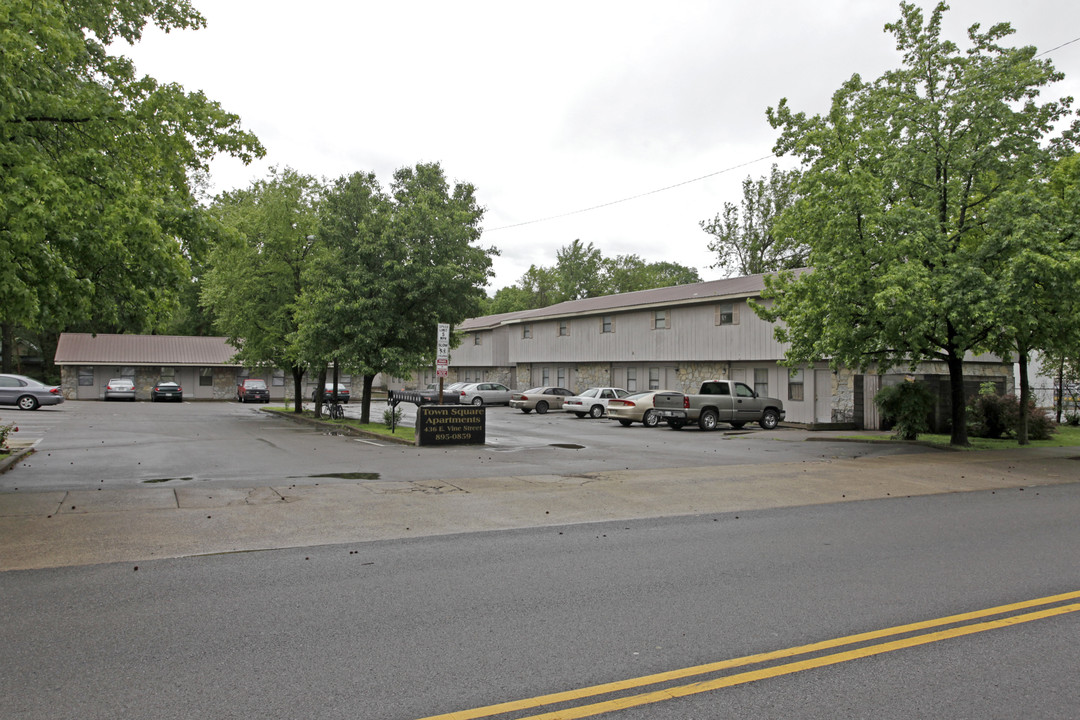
[(995, 416), (4, 430), (908, 406), (1072, 419), (391, 417)]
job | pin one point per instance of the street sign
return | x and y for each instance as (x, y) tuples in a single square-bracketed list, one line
[(442, 371), (442, 362), (442, 346)]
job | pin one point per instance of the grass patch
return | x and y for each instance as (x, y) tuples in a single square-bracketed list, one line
[(402, 432), (1065, 436)]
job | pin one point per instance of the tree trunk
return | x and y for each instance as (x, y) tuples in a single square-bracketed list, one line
[(7, 347), (365, 408), (1061, 388), (1025, 398), (319, 391), (298, 388), (958, 411)]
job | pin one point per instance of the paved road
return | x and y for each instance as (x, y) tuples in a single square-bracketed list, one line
[(413, 628)]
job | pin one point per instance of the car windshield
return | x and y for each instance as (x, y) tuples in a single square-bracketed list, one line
[(256, 384), (591, 392), (537, 390), (638, 396), (120, 381)]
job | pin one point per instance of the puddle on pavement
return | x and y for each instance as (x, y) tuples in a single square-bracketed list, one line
[(568, 446), (348, 475), (162, 480)]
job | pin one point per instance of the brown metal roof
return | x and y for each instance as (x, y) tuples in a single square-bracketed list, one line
[(102, 349), (739, 287)]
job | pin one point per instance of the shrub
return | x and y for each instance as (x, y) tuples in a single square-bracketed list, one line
[(994, 416), (4, 430), (908, 406), (391, 417)]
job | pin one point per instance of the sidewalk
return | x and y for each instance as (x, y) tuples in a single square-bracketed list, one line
[(55, 529)]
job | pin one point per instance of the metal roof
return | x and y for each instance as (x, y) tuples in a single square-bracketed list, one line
[(739, 287), (104, 349)]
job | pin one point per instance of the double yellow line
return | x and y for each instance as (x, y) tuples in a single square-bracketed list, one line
[(1013, 615)]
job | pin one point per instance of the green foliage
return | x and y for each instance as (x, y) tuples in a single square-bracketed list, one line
[(391, 417), (894, 203), (5, 430), (748, 244), (98, 217), (582, 271), (995, 416), (908, 405)]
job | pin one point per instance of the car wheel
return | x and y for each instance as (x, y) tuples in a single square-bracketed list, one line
[(769, 419), (541, 407), (526, 410), (478, 401), (580, 414), (675, 424), (650, 419), (625, 423), (596, 411), (707, 421), (28, 402)]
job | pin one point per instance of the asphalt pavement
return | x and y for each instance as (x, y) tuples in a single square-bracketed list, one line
[(59, 528)]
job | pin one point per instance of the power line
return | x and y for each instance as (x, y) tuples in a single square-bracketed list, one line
[(632, 197)]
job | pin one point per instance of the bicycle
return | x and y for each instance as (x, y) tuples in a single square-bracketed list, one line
[(332, 409)]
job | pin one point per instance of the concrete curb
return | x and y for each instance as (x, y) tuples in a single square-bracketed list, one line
[(19, 451)]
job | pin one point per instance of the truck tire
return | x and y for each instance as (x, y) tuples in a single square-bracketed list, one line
[(737, 425), (707, 421), (624, 422), (676, 424), (769, 419)]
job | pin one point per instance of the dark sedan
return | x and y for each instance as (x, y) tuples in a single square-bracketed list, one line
[(27, 393), (166, 391)]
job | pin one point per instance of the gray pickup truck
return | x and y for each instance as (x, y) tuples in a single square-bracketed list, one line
[(718, 401)]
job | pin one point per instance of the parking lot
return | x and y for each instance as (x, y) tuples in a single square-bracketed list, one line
[(90, 444)]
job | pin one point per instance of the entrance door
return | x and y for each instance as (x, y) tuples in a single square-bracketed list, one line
[(823, 396)]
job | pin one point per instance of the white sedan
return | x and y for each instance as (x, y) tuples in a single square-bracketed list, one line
[(593, 401)]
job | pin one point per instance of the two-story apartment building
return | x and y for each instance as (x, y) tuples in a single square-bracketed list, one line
[(673, 338)]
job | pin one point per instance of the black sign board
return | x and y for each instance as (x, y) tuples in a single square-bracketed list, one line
[(451, 425)]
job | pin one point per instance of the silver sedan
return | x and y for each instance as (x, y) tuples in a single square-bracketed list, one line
[(27, 393), (485, 393)]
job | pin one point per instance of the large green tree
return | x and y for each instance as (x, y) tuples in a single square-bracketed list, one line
[(744, 236), (893, 201), (258, 268), (95, 166), (396, 265)]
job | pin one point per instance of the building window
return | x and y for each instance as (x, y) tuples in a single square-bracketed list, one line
[(607, 324), (128, 372), (562, 377), (206, 377), (631, 379), (564, 328), (526, 332), (795, 385), (761, 381), (727, 314), (278, 378), (86, 375), (661, 320), (654, 378), (545, 376), (168, 374), (477, 339)]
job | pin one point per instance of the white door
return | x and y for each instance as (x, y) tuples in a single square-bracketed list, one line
[(823, 396)]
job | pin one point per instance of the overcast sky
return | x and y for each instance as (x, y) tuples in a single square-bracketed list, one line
[(553, 108)]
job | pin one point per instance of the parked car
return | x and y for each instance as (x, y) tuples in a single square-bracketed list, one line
[(540, 399), (637, 407), (167, 391), (593, 401), (253, 390), (484, 393), (430, 394), (27, 393), (328, 392), (120, 389)]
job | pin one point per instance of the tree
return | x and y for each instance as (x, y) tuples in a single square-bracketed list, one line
[(257, 271), (893, 202), (629, 273), (1034, 232), (396, 265), (95, 166), (748, 244), (579, 271)]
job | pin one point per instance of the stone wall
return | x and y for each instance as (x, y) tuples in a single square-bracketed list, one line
[(69, 382), (692, 374), (593, 375)]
